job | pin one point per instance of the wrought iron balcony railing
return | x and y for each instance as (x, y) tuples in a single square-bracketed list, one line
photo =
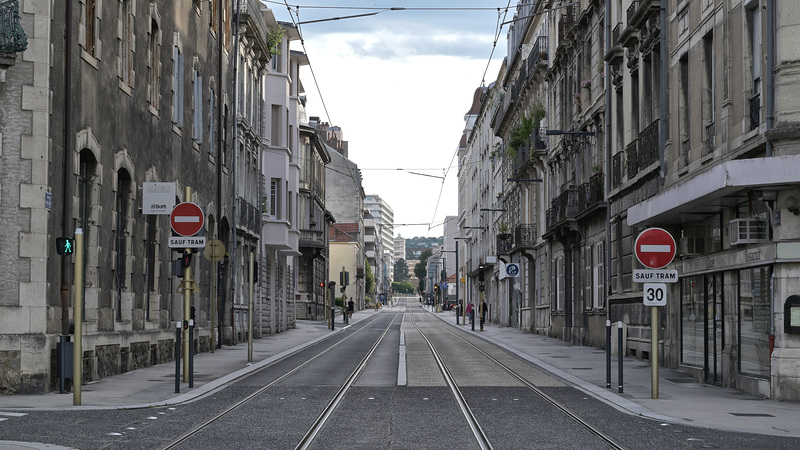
[(525, 236), (755, 111), (632, 157), (648, 145)]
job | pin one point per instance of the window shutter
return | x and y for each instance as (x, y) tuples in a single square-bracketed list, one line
[(756, 44), (175, 78), (211, 107), (180, 89)]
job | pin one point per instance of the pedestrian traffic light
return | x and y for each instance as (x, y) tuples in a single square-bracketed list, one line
[(186, 259), (65, 246), (480, 273)]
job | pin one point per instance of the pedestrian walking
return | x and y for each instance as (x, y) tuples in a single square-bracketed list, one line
[(482, 311), (470, 313), (350, 307)]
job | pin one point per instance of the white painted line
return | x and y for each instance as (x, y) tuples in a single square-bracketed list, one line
[(12, 414), (402, 378), (655, 248)]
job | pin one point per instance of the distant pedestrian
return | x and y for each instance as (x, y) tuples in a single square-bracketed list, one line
[(482, 311), (350, 307), (470, 313)]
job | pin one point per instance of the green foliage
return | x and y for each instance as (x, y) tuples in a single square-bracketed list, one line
[(404, 287), (519, 135), (274, 38), (339, 302), (400, 270), (421, 269), (369, 280), (537, 114)]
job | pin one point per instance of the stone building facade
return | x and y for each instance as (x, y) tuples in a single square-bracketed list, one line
[(141, 93), (674, 114)]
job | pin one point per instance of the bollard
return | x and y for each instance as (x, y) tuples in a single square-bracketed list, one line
[(177, 357), (333, 319), (191, 353), (619, 353), (608, 354)]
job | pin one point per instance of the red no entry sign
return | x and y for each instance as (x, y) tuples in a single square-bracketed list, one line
[(187, 219), (655, 248)]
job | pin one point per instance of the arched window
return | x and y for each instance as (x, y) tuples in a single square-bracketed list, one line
[(122, 211)]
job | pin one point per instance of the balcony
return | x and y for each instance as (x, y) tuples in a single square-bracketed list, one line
[(249, 217), (563, 207), (648, 145), (565, 23), (312, 239), (616, 170), (755, 111), (710, 134), (632, 157), (525, 236), (591, 194), (540, 51), (505, 243), (528, 152)]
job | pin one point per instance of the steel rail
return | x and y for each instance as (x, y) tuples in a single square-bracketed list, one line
[(472, 421), (306, 441), (261, 390), (561, 407)]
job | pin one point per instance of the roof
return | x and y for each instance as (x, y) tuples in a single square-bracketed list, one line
[(344, 232)]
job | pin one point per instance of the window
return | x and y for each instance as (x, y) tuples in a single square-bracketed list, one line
[(274, 198), (598, 275), (154, 61), (197, 129), (754, 321), (212, 15), (126, 42), (754, 35), (121, 210), (211, 119), (177, 82), (89, 26)]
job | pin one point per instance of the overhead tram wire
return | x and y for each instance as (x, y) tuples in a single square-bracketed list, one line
[(499, 28), (297, 23)]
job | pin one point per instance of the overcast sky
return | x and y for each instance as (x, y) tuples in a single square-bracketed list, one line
[(398, 84)]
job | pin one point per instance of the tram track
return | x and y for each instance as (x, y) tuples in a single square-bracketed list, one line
[(480, 436), (320, 421)]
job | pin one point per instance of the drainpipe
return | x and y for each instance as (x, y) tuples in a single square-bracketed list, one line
[(770, 75), (66, 218), (662, 91), (770, 105)]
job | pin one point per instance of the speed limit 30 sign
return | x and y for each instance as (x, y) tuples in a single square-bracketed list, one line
[(655, 294)]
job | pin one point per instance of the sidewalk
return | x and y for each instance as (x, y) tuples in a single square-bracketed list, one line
[(681, 400)]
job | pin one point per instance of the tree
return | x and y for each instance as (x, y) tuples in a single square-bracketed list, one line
[(369, 280), (404, 287), (421, 269), (400, 270)]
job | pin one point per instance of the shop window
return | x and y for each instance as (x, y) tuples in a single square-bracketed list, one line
[(754, 321)]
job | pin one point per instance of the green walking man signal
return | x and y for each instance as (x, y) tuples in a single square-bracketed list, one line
[(65, 246)]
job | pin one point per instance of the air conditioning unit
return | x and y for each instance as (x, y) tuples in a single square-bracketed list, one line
[(691, 246), (748, 231)]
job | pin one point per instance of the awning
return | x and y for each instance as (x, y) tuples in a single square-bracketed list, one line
[(722, 186)]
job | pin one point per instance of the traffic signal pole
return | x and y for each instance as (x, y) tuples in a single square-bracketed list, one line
[(77, 312)]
